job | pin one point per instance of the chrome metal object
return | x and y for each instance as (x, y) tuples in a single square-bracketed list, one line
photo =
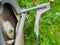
[(37, 18)]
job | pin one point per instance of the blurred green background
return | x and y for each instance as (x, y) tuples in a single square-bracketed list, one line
[(49, 27)]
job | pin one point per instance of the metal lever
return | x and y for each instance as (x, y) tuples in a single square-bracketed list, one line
[(41, 6), (19, 30), (38, 15)]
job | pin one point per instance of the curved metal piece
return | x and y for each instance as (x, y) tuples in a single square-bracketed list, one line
[(38, 15), (19, 33), (13, 4)]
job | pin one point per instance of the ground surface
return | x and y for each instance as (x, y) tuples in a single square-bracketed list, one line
[(49, 29)]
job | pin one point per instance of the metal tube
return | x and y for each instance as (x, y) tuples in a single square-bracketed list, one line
[(19, 37), (35, 8)]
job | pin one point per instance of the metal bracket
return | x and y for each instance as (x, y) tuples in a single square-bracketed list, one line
[(38, 15)]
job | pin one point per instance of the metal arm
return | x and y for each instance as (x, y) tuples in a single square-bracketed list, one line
[(38, 15), (19, 29), (41, 6)]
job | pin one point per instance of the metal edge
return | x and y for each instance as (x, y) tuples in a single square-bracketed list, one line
[(13, 4)]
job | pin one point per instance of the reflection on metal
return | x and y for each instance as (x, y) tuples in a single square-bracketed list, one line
[(0, 0), (8, 29)]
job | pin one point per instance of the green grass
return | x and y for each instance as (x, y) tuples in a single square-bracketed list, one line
[(49, 27)]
